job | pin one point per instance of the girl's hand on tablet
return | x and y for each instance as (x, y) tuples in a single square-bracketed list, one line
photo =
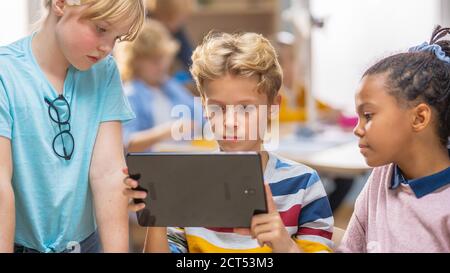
[(131, 193)]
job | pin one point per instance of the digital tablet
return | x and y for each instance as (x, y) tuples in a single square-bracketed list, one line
[(199, 190)]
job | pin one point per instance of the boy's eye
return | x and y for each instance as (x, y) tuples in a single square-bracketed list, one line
[(216, 108), (244, 109), (250, 108)]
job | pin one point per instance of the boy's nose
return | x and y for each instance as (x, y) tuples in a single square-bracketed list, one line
[(231, 119), (230, 124)]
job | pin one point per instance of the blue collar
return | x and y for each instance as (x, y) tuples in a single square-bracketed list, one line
[(424, 185)]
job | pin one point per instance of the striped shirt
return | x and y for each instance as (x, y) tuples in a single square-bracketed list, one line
[(301, 201)]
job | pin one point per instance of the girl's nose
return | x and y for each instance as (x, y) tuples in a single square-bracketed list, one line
[(358, 130)]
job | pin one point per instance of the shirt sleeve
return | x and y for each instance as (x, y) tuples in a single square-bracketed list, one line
[(177, 240), (115, 104), (354, 239), (315, 225), (134, 125), (6, 119)]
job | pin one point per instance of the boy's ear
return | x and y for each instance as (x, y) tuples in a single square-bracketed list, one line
[(205, 113), (203, 100), (275, 107), (277, 100), (421, 117), (58, 7)]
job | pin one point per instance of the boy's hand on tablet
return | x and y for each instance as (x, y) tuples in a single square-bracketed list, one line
[(129, 192), (269, 228)]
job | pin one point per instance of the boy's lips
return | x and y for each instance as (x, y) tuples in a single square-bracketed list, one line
[(233, 138)]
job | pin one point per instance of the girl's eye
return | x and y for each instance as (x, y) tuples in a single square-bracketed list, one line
[(368, 116), (100, 29)]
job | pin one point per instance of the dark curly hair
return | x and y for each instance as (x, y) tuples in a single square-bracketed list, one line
[(420, 77)]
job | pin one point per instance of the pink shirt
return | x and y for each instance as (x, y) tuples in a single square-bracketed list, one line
[(414, 216)]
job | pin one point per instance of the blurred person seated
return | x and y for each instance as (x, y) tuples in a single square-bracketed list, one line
[(293, 106), (150, 90), (173, 14)]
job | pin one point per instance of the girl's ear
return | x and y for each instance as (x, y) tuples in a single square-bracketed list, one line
[(58, 7), (421, 117)]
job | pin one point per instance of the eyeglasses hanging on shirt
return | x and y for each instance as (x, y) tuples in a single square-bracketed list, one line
[(59, 111)]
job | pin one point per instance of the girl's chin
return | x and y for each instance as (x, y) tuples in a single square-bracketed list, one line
[(82, 67), (373, 163)]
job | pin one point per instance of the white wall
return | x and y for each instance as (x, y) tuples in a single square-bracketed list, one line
[(445, 13), (13, 20), (357, 34)]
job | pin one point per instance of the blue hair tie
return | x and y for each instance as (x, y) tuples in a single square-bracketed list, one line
[(434, 48)]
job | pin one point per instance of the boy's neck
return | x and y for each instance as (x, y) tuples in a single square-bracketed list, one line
[(47, 52), (264, 155), (264, 159), (424, 160)]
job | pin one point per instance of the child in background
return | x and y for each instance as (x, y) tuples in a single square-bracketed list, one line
[(61, 108), (173, 14), (293, 92), (404, 121), (150, 90), (233, 70)]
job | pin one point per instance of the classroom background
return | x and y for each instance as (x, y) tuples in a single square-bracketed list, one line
[(324, 47)]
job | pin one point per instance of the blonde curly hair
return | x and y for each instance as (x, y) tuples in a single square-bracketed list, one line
[(240, 54), (113, 12)]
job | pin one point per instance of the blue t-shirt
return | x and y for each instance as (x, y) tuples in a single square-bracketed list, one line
[(52, 195)]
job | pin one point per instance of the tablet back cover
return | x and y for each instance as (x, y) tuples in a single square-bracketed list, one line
[(199, 190)]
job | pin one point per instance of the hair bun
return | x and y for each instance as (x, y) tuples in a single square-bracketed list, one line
[(436, 38)]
